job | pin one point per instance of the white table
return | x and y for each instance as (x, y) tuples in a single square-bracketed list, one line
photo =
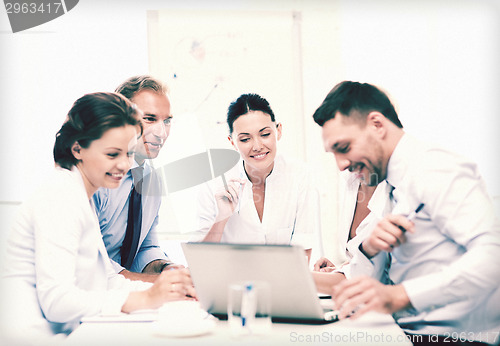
[(370, 329)]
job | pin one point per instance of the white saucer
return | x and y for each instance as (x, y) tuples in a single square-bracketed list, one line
[(182, 330)]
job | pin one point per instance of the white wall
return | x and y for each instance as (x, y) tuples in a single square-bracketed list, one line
[(45, 69), (439, 61)]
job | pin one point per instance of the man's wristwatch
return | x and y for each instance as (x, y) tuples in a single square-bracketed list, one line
[(165, 265)]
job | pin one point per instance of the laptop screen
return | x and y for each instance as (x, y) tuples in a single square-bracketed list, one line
[(215, 266)]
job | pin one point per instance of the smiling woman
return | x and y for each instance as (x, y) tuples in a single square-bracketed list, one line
[(57, 268), (97, 141), (268, 199), (107, 159)]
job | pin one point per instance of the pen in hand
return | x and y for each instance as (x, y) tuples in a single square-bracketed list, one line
[(240, 193), (225, 182), (412, 215)]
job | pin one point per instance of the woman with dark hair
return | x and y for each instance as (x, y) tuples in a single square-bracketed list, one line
[(267, 199), (57, 268)]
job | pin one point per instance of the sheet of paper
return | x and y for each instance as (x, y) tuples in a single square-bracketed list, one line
[(136, 316)]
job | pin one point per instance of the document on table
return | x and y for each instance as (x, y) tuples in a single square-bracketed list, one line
[(146, 315)]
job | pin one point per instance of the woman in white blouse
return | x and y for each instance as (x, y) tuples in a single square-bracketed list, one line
[(57, 268), (359, 206), (265, 198)]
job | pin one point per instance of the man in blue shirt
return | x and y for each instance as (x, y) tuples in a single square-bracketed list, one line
[(138, 257)]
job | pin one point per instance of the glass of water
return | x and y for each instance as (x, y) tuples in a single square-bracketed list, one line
[(249, 308)]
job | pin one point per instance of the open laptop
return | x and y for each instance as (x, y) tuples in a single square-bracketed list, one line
[(214, 266)]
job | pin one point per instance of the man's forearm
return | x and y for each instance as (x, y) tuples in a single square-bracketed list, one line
[(155, 267), (325, 281), (149, 273), (400, 299), (139, 276)]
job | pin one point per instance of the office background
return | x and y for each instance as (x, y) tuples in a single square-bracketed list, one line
[(437, 59)]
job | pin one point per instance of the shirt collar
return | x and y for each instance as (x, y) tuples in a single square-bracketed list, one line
[(277, 169), (398, 162), (146, 166), (75, 172)]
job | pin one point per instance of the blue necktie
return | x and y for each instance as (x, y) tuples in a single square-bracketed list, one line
[(386, 279), (133, 232)]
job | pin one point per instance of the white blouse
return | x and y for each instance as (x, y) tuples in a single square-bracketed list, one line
[(291, 208), (348, 192), (57, 268)]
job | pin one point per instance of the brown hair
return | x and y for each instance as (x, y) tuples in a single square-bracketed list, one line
[(88, 119)]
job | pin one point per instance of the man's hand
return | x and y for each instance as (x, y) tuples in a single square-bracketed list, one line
[(324, 265), (356, 296), (388, 234)]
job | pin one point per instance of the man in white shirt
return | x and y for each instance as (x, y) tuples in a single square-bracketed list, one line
[(440, 274)]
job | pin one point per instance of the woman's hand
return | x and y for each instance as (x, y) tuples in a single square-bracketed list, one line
[(228, 199), (170, 285), (324, 265)]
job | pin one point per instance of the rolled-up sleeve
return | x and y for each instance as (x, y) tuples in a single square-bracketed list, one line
[(149, 251)]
